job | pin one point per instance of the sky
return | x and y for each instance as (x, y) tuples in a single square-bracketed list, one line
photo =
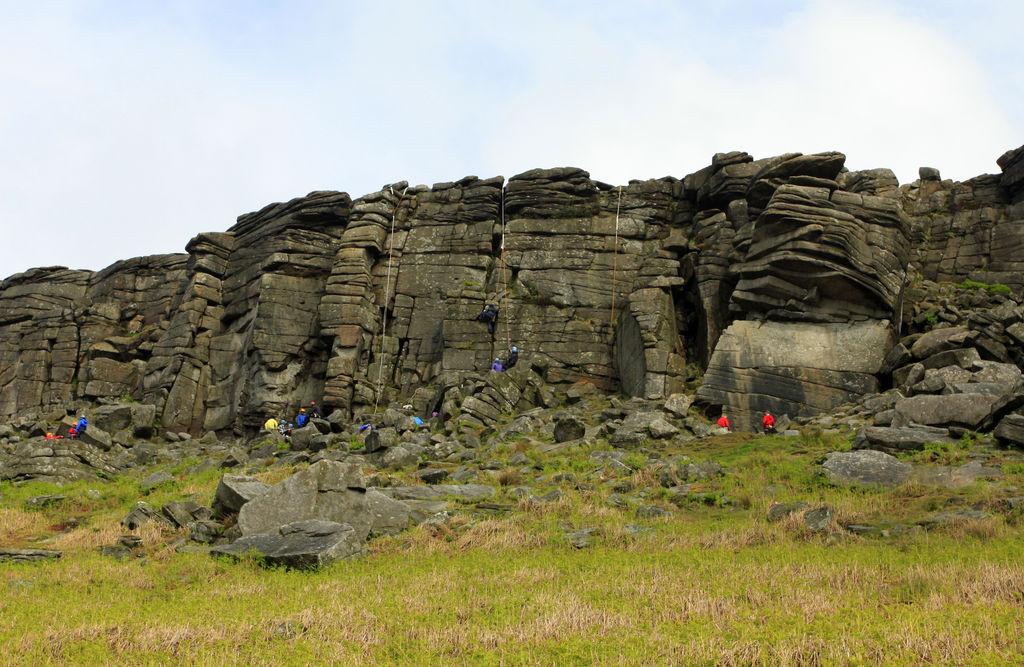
[(126, 127)]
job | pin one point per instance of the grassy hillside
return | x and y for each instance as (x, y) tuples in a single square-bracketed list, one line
[(713, 581)]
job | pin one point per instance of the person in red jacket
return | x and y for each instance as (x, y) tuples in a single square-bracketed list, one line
[(723, 421), (768, 422)]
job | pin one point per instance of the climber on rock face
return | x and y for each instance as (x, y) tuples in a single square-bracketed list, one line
[(513, 357), (81, 426), (301, 418), (496, 366), (489, 315), (314, 411), (723, 421)]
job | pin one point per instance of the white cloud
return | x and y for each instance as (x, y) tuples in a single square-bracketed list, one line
[(127, 135)]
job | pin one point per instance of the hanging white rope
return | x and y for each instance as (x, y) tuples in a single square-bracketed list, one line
[(387, 297), (615, 259)]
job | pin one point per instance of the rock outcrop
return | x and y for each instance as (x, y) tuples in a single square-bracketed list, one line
[(748, 268)]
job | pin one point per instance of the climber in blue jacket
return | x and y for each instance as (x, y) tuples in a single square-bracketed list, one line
[(81, 426), (301, 419)]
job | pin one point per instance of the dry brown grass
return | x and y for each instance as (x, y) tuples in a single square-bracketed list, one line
[(509, 477), (18, 527)]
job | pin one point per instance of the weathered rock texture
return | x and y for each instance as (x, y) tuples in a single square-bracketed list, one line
[(742, 267)]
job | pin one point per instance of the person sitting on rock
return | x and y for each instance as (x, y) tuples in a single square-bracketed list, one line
[(489, 315), (768, 422), (270, 424), (723, 421), (81, 426), (72, 433), (282, 427), (314, 411), (496, 366), (513, 357), (301, 418)]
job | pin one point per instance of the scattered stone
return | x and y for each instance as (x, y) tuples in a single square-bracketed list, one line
[(141, 514), (288, 630), (783, 510), (117, 552), (819, 518), (569, 428), (651, 512), (432, 475)]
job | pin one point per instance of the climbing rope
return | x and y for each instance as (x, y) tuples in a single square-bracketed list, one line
[(615, 260), (387, 293), (504, 280)]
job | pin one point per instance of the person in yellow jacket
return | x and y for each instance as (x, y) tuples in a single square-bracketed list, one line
[(270, 424)]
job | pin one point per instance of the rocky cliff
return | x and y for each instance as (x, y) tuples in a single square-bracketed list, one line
[(785, 282)]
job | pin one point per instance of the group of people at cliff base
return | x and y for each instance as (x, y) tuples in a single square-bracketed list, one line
[(767, 423), (74, 432), (302, 419)]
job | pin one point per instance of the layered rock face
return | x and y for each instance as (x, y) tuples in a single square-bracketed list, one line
[(819, 260), (754, 269)]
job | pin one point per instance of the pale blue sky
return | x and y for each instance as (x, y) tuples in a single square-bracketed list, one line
[(128, 127)]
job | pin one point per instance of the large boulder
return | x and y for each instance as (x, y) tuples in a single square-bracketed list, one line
[(329, 491), (112, 418), (301, 544), (795, 368), (866, 467)]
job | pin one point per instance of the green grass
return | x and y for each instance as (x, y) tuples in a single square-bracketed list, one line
[(712, 584), (991, 288)]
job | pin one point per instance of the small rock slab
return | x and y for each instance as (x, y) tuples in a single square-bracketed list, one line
[(158, 478), (27, 555), (958, 515), (300, 545), (467, 492), (39, 502)]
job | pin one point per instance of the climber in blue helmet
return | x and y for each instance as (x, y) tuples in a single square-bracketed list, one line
[(496, 366), (82, 425), (513, 357)]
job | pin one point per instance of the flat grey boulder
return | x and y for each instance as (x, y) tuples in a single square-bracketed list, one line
[(234, 491), (969, 410), (466, 492), (866, 467), (899, 438), (301, 545)]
